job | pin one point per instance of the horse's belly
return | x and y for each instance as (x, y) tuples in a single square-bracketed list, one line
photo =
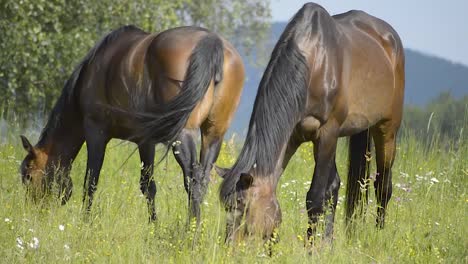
[(353, 124)]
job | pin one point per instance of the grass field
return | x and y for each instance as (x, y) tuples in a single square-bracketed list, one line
[(427, 220)]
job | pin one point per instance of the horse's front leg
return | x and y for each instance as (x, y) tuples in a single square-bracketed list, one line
[(66, 185), (185, 152), (331, 196), (96, 141), (324, 183)]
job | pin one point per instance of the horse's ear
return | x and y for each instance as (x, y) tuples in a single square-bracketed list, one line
[(245, 181), (26, 144), (221, 171)]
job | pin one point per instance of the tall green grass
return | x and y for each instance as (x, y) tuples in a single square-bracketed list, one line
[(426, 221)]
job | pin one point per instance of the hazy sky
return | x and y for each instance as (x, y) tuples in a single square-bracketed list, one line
[(435, 27)]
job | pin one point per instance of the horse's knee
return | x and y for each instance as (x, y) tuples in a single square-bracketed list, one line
[(67, 191)]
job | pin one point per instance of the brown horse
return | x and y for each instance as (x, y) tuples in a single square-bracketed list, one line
[(328, 77), (148, 89)]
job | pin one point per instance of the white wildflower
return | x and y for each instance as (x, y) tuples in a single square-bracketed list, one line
[(7, 220), (66, 247), (434, 180), (419, 178), (19, 243), (61, 227), (34, 244)]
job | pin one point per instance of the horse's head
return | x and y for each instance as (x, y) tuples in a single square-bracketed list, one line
[(252, 207), (33, 169)]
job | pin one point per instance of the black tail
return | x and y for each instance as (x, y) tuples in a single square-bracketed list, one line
[(359, 147), (164, 123)]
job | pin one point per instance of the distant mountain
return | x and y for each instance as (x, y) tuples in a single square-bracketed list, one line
[(426, 77)]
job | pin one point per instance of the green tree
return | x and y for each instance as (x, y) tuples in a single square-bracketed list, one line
[(444, 118), (244, 22), (41, 41)]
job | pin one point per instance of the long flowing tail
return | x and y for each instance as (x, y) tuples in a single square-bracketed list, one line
[(359, 147), (164, 123)]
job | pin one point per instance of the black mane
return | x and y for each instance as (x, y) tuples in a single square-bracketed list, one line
[(280, 102), (66, 104)]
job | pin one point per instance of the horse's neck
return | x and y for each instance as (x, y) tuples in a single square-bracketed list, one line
[(63, 141), (276, 161)]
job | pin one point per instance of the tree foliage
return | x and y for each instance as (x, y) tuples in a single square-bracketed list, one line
[(444, 118), (42, 40)]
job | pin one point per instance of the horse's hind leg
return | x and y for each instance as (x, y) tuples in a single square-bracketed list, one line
[(147, 184), (185, 152), (384, 135), (211, 141)]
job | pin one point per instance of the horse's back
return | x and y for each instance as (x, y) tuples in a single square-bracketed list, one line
[(101, 82), (355, 21)]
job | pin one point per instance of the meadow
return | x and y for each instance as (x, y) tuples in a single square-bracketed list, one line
[(426, 222)]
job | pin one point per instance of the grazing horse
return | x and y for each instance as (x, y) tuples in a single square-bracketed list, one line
[(328, 77), (147, 89)]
